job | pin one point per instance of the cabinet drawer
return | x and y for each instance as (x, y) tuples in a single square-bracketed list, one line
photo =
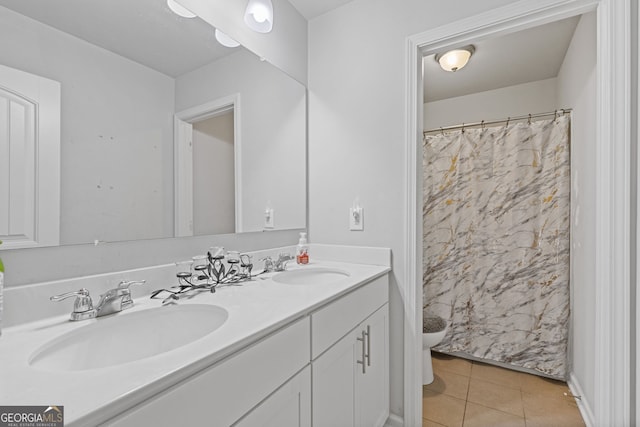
[(334, 321), (221, 394)]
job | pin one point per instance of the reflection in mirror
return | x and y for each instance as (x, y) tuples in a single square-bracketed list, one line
[(214, 209), (125, 70)]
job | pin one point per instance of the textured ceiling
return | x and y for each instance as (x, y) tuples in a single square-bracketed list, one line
[(312, 8)]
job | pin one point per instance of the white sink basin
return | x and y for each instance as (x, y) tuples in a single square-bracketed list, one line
[(115, 340), (310, 276)]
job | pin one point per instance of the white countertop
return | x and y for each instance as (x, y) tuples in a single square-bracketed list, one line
[(255, 309)]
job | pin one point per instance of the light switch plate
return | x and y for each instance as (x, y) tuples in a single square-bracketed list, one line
[(268, 218), (356, 219)]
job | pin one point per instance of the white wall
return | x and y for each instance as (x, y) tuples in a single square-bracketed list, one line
[(116, 133), (356, 130), (577, 89), (272, 133), (498, 104), (213, 176)]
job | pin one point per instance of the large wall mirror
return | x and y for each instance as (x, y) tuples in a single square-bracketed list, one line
[(164, 132)]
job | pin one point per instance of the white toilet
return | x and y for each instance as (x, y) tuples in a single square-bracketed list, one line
[(434, 329)]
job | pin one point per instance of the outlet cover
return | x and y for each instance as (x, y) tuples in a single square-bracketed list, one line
[(268, 218), (356, 219)]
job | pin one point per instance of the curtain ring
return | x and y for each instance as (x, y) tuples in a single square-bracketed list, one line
[(441, 131), (508, 120), (482, 124), (555, 115), (463, 127), (529, 121)]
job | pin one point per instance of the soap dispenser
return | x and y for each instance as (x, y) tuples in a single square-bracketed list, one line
[(302, 251)]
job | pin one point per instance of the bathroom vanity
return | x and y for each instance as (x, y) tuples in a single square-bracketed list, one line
[(296, 348)]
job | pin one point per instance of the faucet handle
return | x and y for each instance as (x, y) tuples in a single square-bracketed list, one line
[(126, 283), (82, 307), (126, 292), (285, 256), (269, 264)]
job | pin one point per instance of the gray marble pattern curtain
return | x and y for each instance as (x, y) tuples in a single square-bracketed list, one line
[(496, 218)]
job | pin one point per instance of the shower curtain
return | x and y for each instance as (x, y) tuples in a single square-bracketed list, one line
[(496, 242)]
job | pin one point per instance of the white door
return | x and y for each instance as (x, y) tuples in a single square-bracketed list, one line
[(183, 152), (29, 159)]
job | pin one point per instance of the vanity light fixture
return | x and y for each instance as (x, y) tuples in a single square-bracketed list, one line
[(225, 40), (180, 10), (259, 15), (455, 59)]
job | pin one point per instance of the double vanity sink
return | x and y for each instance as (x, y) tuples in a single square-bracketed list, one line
[(129, 337), (101, 368)]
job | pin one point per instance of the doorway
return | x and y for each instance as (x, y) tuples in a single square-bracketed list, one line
[(612, 177), (207, 152)]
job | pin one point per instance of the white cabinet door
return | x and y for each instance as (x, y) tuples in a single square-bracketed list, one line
[(334, 384), (223, 393), (372, 387), (289, 406), (345, 393)]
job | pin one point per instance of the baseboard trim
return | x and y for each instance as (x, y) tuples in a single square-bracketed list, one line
[(394, 421), (583, 405)]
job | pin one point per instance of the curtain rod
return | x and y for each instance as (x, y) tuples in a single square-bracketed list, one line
[(507, 120)]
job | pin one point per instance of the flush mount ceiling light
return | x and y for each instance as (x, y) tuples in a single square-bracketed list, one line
[(180, 10), (455, 59), (259, 15), (225, 40)]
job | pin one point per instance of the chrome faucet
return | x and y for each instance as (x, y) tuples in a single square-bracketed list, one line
[(278, 265), (112, 301), (117, 299), (82, 307)]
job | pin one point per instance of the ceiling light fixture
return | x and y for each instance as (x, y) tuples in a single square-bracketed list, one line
[(180, 10), (225, 40), (455, 59), (259, 15)]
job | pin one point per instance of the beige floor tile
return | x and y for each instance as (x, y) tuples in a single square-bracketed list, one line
[(497, 375), (478, 394), (429, 423), (481, 416), (496, 396), (444, 362), (533, 384), (442, 409), (548, 411), (450, 384)]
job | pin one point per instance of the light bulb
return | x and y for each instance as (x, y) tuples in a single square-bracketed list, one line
[(225, 40), (455, 59), (259, 15), (180, 10)]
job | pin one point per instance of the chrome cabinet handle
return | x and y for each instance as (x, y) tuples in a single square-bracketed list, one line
[(364, 354), (368, 355)]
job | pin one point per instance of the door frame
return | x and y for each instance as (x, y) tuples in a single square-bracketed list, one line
[(183, 160), (612, 403)]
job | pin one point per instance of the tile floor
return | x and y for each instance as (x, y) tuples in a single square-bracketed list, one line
[(474, 394)]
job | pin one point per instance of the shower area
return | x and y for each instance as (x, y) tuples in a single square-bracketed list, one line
[(496, 218), (507, 201)]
